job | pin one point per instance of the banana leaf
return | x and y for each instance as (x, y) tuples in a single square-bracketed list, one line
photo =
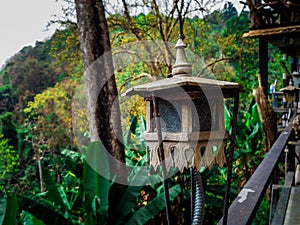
[(43, 210), (255, 114), (139, 132), (95, 175), (8, 208), (227, 118), (29, 219), (75, 156), (128, 202), (132, 128), (147, 212), (137, 128), (55, 193), (74, 161)]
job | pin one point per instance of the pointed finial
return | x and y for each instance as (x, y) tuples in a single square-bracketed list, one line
[(181, 66)]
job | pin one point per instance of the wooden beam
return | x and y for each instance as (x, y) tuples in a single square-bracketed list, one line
[(273, 32)]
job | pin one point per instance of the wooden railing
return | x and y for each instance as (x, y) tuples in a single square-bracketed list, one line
[(244, 207)]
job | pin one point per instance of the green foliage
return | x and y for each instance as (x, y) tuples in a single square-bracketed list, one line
[(42, 209), (9, 129), (3, 204), (29, 219), (63, 47), (8, 208), (26, 178), (249, 140), (50, 112), (144, 214), (95, 177), (27, 73), (9, 160), (55, 194), (134, 141), (262, 215), (90, 202), (7, 100)]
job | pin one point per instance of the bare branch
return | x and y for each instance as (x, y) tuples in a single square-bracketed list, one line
[(159, 18), (134, 78), (124, 51), (117, 35), (213, 63)]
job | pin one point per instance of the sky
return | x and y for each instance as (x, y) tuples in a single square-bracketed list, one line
[(23, 22)]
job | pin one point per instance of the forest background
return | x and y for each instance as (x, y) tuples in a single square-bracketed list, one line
[(44, 178)]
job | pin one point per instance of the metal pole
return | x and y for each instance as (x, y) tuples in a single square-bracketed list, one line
[(230, 159), (162, 159)]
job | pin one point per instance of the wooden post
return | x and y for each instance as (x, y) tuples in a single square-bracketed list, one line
[(263, 63)]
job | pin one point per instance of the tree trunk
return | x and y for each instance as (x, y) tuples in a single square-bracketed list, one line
[(102, 94), (267, 115)]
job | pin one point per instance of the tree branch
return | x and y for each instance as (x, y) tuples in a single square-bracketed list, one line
[(133, 78), (213, 63)]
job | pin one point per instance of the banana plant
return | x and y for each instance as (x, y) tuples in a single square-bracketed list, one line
[(88, 205)]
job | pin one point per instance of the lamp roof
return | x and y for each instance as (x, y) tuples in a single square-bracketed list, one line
[(186, 82), (290, 87)]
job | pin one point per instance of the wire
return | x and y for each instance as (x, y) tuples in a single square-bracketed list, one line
[(197, 197)]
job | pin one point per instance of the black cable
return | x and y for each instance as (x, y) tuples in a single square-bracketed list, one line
[(197, 197)]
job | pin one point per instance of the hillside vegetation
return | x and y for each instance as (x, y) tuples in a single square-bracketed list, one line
[(44, 178)]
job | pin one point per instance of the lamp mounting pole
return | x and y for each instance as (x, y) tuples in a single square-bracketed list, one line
[(230, 158), (162, 159)]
